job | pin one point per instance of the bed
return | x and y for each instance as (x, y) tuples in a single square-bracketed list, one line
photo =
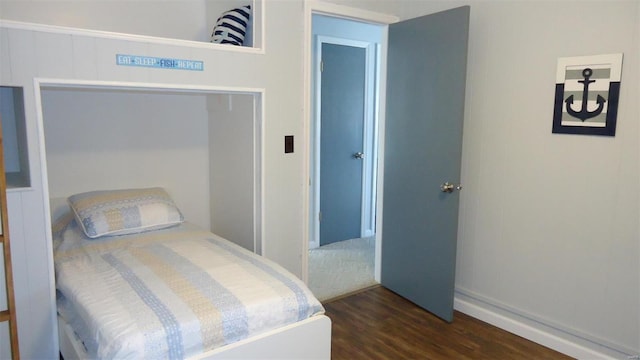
[(134, 280)]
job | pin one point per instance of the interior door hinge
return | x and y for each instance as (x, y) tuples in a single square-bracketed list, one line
[(321, 66), (319, 216)]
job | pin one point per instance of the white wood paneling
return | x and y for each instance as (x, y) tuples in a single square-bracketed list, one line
[(38, 344), (105, 60), (22, 55), (5, 341), (35, 297), (84, 57), (5, 59), (31, 253), (54, 53), (20, 260)]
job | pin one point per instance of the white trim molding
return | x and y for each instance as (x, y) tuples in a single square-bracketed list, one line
[(55, 29), (571, 343), (321, 7)]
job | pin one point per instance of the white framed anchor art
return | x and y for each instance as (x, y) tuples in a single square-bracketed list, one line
[(587, 92)]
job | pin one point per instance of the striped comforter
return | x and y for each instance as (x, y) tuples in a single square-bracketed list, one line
[(171, 293)]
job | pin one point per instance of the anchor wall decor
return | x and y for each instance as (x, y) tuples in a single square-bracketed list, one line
[(587, 91)]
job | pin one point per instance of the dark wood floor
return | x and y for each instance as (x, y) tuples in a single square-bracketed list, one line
[(378, 324)]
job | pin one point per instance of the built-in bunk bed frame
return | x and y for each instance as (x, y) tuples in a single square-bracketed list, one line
[(85, 58), (307, 339)]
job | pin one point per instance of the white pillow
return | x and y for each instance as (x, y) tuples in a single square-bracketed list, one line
[(120, 212)]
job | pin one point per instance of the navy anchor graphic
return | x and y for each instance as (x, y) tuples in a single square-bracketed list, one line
[(584, 114)]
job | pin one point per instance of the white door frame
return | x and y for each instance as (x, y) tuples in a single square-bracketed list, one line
[(317, 7), (367, 221)]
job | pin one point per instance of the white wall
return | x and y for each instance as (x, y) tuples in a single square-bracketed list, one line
[(549, 223), (101, 140), (184, 20), (549, 226), (232, 133)]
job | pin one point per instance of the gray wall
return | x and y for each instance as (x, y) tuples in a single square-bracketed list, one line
[(550, 223), (100, 140)]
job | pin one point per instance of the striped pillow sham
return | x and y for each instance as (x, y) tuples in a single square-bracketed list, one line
[(231, 27), (120, 212)]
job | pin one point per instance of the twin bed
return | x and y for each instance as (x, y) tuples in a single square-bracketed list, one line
[(134, 281)]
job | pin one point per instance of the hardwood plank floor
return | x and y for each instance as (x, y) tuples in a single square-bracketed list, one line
[(379, 324)]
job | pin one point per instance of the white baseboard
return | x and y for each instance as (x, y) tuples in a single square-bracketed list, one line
[(532, 332)]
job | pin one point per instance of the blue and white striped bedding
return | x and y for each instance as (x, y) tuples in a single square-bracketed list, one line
[(171, 293)]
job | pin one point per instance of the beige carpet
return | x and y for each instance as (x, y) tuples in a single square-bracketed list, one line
[(342, 267)]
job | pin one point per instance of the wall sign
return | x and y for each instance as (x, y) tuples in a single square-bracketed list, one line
[(158, 62), (587, 91)]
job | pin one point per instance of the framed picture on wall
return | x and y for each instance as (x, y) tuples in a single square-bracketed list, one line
[(586, 97)]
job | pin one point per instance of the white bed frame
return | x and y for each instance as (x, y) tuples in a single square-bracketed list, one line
[(306, 339)]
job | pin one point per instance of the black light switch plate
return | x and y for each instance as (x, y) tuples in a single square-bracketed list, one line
[(288, 144)]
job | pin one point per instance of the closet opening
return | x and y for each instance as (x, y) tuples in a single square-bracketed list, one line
[(345, 81), (202, 145)]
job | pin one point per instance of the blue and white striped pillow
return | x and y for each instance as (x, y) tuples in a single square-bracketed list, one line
[(231, 27)]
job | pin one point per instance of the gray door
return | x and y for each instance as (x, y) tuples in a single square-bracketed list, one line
[(427, 60), (341, 137)]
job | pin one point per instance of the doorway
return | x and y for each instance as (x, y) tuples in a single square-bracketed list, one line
[(344, 150), (422, 92)]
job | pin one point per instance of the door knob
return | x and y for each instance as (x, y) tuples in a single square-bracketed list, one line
[(448, 188), (358, 155)]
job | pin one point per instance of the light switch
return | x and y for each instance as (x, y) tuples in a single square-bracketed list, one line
[(288, 144)]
